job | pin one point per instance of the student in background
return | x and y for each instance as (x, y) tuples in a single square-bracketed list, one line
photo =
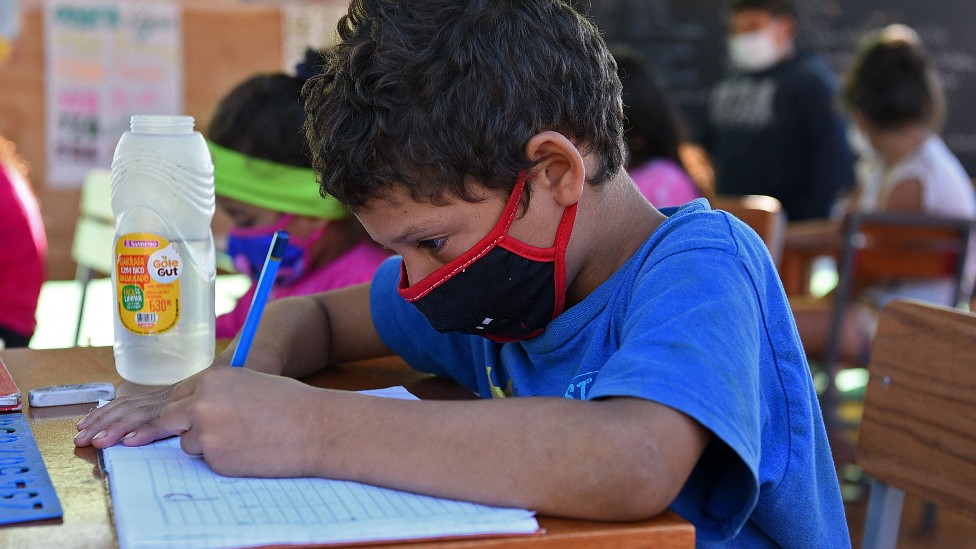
[(654, 133), (895, 99), (772, 126), (628, 361), (24, 249), (264, 182)]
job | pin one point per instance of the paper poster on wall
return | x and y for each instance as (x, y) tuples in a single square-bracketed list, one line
[(9, 27), (104, 62), (308, 25)]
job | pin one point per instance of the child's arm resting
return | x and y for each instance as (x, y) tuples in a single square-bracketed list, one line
[(615, 459), (301, 335), (296, 337)]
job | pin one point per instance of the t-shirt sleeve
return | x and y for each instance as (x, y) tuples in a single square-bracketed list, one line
[(408, 333), (692, 342)]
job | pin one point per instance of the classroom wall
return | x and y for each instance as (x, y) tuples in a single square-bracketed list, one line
[(227, 40), (223, 43)]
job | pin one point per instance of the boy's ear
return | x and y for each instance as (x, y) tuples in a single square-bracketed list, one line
[(559, 166)]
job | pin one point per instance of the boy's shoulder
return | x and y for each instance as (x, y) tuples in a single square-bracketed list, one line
[(696, 225), (697, 229)]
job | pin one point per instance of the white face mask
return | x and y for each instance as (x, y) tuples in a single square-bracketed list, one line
[(754, 51)]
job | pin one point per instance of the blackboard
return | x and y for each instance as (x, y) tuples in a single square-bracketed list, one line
[(685, 40)]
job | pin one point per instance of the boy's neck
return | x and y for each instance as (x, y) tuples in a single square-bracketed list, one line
[(613, 222)]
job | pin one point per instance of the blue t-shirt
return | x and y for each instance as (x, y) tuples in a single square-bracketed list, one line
[(697, 320)]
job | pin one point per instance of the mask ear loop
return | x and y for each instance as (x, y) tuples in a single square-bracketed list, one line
[(563, 233)]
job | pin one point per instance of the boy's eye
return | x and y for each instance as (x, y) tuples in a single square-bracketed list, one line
[(434, 244)]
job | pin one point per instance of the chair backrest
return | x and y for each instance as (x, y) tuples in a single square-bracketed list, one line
[(898, 246), (907, 246), (763, 213), (918, 430), (91, 248)]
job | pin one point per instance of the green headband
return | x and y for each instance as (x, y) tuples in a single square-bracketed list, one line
[(271, 185)]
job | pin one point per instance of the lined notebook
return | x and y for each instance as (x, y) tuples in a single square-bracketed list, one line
[(161, 497)]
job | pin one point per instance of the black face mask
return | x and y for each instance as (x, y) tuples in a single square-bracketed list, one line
[(502, 288)]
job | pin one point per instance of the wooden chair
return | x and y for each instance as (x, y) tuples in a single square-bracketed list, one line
[(91, 248), (918, 431), (763, 213), (879, 247)]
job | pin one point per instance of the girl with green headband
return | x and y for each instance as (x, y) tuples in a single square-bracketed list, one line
[(264, 183)]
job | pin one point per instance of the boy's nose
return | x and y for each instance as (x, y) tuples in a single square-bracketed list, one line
[(418, 268)]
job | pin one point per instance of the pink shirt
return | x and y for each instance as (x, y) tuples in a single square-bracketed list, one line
[(664, 183), (355, 266), (23, 250)]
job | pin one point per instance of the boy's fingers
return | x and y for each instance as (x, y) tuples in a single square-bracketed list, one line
[(149, 432), (130, 412), (190, 443), (109, 425), (182, 390), (176, 417)]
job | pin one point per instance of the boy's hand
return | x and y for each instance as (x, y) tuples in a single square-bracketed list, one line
[(132, 419), (244, 422)]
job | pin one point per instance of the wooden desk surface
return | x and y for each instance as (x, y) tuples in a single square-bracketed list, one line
[(79, 482)]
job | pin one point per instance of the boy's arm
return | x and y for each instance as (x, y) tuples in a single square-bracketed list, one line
[(613, 459), (296, 337)]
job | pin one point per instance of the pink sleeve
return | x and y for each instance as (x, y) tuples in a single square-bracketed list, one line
[(664, 183), (355, 266), (228, 324)]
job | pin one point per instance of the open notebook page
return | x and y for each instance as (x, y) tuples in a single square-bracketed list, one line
[(161, 497)]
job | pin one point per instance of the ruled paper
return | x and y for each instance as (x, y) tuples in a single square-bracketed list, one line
[(162, 497)]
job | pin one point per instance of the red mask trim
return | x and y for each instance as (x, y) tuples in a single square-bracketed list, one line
[(499, 236)]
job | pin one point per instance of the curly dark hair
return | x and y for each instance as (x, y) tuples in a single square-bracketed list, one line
[(438, 94)]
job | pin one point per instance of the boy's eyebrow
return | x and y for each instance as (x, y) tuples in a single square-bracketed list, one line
[(411, 230)]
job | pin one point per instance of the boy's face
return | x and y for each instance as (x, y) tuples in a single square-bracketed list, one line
[(479, 268), (425, 235), (748, 21), (429, 236)]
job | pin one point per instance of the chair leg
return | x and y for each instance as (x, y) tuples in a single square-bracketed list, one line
[(83, 275), (930, 516), (884, 516)]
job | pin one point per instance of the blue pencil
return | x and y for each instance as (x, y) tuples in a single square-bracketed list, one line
[(265, 282)]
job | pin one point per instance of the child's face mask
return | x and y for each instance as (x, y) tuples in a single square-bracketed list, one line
[(502, 288), (249, 248), (754, 51)]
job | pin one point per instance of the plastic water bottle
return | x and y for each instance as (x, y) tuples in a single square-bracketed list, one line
[(165, 264)]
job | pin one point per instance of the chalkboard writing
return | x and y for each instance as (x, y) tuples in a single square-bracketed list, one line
[(685, 40)]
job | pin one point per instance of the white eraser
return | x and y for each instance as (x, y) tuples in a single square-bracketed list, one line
[(63, 395)]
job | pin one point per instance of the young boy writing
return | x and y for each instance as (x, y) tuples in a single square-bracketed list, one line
[(652, 358)]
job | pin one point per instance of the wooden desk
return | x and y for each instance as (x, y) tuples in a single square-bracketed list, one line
[(79, 482)]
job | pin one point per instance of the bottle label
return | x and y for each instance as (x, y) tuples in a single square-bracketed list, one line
[(147, 274)]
